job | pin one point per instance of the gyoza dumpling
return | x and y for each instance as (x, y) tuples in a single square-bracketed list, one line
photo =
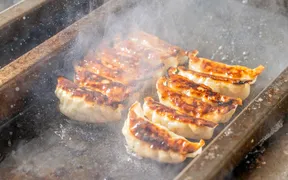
[(151, 140), (179, 123), (84, 105), (170, 55), (229, 87), (220, 69), (116, 92), (199, 91), (193, 106), (229, 80)]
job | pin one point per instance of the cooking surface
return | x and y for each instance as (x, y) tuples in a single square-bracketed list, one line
[(51, 146)]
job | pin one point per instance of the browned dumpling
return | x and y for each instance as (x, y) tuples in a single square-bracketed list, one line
[(85, 105), (220, 69), (119, 74), (151, 140), (116, 92), (226, 79), (199, 91), (153, 49), (192, 105), (229, 87), (179, 123)]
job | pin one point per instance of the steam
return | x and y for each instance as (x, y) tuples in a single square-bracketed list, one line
[(226, 30)]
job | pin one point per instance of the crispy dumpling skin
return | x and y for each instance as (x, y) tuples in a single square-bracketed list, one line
[(151, 140), (179, 123), (207, 66), (154, 49), (84, 105), (116, 92), (199, 91), (226, 86), (193, 106)]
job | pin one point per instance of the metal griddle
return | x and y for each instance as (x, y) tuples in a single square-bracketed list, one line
[(38, 142)]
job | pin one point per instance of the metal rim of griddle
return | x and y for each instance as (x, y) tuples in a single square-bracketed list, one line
[(18, 11)]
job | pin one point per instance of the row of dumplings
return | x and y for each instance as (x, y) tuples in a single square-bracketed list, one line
[(192, 101), (108, 80)]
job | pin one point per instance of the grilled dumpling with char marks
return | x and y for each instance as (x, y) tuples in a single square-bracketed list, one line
[(136, 63), (193, 106), (153, 49), (199, 91), (151, 140), (117, 73), (220, 69), (226, 86), (114, 91), (179, 123), (84, 105), (119, 76)]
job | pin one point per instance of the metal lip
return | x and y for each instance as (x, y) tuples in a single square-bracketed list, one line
[(19, 10)]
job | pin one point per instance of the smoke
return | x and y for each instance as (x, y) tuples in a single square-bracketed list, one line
[(225, 30)]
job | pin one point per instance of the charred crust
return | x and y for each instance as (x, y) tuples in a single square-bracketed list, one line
[(232, 71), (216, 78), (201, 90), (175, 115), (159, 45), (89, 96), (159, 138), (115, 91), (119, 75), (194, 106)]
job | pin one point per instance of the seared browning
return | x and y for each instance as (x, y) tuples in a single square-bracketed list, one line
[(120, 60), (157, 136), (114, 91), (199, 91), (223, 70), (222, 79), (115, 73), (175, 115), (89, 96), (152, 49), (85, 105), (119, 75), (192, 101), (226, 86), (154, 42), (177, 122), (188, 104)]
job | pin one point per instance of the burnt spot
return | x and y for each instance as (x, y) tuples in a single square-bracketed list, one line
[(181, 83), (214, 77), (115, 91), (232, 71), (174, 115), (189, 105), (89, 96), (159, 138)]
